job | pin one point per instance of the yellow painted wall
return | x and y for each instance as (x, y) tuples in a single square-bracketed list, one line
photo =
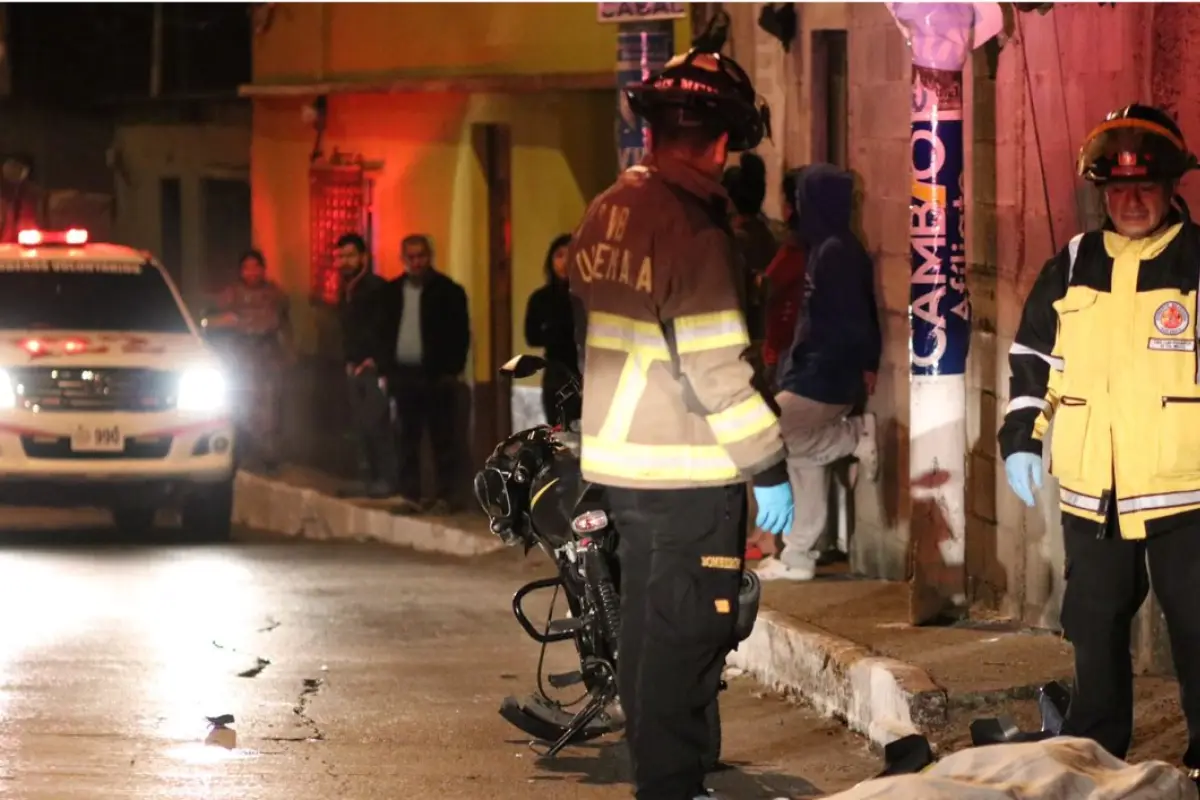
[(432, 182), (307, 41)]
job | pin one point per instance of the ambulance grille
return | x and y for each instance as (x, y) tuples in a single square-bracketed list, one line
[(49, 389)]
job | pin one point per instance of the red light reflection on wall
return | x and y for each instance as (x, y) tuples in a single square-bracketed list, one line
[(338, 205)]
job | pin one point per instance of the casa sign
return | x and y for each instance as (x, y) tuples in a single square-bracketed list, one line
[(639, 12)]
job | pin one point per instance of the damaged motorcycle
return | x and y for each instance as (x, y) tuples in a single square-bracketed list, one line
[(534, 494)]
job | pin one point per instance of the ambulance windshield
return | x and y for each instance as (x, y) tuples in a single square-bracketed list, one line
[(73, 295)]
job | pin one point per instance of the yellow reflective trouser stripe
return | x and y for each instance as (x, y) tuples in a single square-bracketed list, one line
[(643, 342), (657, 462), (700, 332), (740, 422)]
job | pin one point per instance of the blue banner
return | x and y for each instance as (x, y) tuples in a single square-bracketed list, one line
[(940, 308), (641, 51)]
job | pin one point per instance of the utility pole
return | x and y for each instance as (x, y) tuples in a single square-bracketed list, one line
[(156, 51), (940, 36)]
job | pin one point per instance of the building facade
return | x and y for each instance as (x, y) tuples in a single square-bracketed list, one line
[(181, 176), (1030, 99), (488, 127)]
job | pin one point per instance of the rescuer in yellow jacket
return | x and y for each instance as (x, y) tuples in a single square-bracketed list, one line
[(672, 424), (1106, 348)]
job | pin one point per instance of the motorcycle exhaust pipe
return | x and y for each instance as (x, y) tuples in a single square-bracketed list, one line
[(749, 596)]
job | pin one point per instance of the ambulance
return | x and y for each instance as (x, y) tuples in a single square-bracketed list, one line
[(109, 395)]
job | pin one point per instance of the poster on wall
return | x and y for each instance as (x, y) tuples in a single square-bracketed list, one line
[(940, 307)]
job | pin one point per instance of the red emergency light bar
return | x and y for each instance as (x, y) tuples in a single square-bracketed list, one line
[(47, 347), (33, 237)]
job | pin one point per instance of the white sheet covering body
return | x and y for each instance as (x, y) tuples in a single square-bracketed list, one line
[(1057, 769)]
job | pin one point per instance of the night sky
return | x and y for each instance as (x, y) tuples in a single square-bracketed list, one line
[(78, 54)]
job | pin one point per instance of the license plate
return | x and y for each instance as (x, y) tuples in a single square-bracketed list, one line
[(98, 439)]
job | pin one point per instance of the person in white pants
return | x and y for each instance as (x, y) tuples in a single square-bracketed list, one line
[(831, 366)]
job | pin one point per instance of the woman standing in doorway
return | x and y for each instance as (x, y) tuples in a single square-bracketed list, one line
[(549, 324)]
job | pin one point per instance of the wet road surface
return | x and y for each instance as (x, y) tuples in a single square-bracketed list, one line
[(353, 671)]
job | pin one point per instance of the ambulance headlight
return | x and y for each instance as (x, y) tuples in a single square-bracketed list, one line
[(202, 389), (8, 392)]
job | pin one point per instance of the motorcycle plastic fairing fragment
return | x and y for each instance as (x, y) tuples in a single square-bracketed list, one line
[(1053, 701), (907, 755)]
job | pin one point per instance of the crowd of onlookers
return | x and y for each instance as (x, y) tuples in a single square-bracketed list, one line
[(807, 287), (404, 349)]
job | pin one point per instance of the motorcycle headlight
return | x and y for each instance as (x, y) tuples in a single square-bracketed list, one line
[(202, 389), (8, 394)]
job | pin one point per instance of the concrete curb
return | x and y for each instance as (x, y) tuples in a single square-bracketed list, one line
[(881, 698), (279, 507)]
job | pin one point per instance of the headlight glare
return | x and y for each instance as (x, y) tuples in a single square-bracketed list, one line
[(202, 389), (8, 394)]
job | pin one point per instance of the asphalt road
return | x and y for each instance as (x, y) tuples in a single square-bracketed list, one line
[(352, 671)]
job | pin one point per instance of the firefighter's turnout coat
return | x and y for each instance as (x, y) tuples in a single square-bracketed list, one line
[(668, 396)]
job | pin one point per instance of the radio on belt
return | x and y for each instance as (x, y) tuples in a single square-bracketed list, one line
[(31, 237)]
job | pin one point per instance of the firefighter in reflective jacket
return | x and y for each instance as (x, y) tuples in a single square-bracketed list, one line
[(672, 424), (1107, 348)]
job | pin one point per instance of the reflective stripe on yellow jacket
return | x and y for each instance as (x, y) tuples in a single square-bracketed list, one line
[(1122, 382)]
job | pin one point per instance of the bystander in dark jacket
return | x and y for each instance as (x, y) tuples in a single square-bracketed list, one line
[(427, 331), (364, 355), (837, 340), (550, 324), (753, 240)]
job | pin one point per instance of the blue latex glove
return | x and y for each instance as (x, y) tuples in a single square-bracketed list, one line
[(1022, 470), (776, 509)]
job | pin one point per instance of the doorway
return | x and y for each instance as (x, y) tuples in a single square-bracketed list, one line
[(830, 97), (171, 227), (492, 402), (226, 230)]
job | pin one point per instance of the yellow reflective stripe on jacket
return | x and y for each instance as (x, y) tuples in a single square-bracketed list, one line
[(1083, 502), (701, 332), (740, 422), (1158, 502), (667, 463), (630, 387), (625, 335), (643, 343)]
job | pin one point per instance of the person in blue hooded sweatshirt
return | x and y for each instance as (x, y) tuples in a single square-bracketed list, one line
[(831, 367)]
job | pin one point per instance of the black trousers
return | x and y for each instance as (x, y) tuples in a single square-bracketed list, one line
[(681, 562), (426, 404), (370, 415), (1106, 585)]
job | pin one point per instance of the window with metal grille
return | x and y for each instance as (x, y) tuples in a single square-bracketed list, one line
[(339, 203)]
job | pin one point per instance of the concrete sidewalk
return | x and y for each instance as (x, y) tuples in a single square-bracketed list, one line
[(837, 643), (305, 504), (844, 645)]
